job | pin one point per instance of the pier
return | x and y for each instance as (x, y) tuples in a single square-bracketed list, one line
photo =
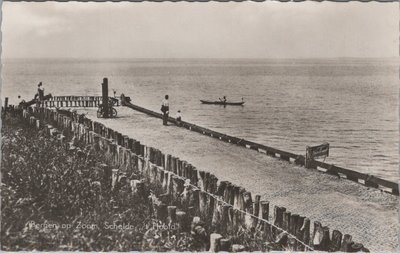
[(339, 204), (364, 179)]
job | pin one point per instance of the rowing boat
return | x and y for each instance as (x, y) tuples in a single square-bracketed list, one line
[(220, 102)]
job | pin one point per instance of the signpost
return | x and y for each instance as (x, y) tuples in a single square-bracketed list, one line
[(316, 151)]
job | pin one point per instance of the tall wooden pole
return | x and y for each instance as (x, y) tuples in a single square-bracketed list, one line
[(105, 97), (5, 104), (307, 160)]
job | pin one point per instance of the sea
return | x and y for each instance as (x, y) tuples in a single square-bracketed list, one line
[(289, 103)]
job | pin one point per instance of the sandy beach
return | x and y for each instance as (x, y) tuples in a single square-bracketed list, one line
[(367, 214)]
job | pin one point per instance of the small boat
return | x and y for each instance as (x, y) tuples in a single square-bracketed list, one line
[(220, 102)]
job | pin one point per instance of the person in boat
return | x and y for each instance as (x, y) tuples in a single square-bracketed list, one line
[(178, 118), (223, 100), (165, 110)]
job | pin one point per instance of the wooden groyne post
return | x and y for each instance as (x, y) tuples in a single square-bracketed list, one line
[(105, 97), (5, 104), (4, 109)]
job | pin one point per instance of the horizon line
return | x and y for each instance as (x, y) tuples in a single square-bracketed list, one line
[(200, 58)]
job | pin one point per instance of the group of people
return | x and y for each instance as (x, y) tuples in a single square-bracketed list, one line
[(165, 111)]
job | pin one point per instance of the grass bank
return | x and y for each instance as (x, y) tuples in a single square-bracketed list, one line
[(54, 199)]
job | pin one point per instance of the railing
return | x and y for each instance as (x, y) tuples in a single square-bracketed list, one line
[(75, 101)]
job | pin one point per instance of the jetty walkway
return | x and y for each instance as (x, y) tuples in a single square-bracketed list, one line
[(368, 214)]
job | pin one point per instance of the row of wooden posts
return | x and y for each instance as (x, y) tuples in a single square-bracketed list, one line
[(67, 101), (194, 194)]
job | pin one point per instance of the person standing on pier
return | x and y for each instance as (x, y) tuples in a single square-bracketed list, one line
[(21, 102), (40, 91), (178, 118), (165, 110)]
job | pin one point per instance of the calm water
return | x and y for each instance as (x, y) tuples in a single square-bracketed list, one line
[(352, 104)]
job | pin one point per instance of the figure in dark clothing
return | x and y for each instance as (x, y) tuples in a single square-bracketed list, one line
[(165, 110), (178, 118), (40, 91), (21, 102)]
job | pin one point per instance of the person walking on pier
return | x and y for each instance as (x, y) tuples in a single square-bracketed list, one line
[(165, 110), (178, 118)]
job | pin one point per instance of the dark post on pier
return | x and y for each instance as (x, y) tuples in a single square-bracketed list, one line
[(5, 104), (105, 97)]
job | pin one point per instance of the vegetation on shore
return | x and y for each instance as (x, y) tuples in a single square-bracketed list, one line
[(54, 199), (58, 198)]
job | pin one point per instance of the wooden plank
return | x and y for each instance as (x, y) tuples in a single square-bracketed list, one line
[(326, 241), (264, 209), (347, 241), (317, 235), (286, 220), (354, 175), (256, 208), (293, 224), (266, 228), (350, 174), (278, 218), (285, 158), (385, 183), (299, 233), (195, 178), (306, 231), (336, 241)]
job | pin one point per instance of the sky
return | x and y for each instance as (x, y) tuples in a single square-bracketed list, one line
[(200, 30)]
